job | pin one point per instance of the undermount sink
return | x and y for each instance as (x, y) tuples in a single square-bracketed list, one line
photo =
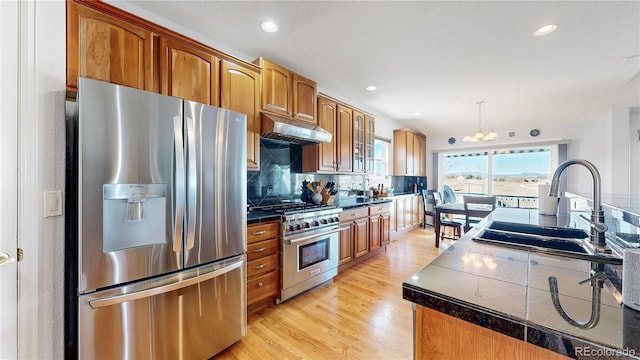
[(558, 241)]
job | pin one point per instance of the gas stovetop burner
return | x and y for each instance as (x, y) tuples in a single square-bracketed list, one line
[(300, 218)]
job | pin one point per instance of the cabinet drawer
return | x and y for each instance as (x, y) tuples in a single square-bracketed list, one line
[(262, 231), (352, 214), (379, 209), (262, 249), (262, 287), (262, 265)]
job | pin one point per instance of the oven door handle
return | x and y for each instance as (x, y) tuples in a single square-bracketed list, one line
[(308, 237)]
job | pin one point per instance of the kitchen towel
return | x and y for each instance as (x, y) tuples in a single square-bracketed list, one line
[(631, 278), (547, 205)]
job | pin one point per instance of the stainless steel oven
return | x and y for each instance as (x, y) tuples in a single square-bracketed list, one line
[(308, 260), (309, 255)]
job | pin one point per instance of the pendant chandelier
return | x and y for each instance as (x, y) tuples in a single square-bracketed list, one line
[(480, 135)]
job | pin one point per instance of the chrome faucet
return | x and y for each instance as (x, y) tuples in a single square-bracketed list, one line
[(598, 227)]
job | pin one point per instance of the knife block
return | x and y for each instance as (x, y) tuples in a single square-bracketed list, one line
[(326, 198)]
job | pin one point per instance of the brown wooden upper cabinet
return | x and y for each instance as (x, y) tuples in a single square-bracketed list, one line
[(336, 156), (106, 43), (102, 47), (358, 141), (189, 73), (322, 157), (286, 93), (409, 150), (352, 144), (240, 91), (344, 139), (369, 143), (304, 98)]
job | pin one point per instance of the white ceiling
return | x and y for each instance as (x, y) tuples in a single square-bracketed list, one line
[(439, 58)]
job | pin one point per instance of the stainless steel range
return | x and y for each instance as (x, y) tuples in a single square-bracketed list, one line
[(309, 247)]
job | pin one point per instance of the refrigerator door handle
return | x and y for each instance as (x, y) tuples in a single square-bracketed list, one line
[(179, 184), (193, 183), (118, 299)]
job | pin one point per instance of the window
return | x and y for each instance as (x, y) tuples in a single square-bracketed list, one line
[(512, 175), (381, 157), (467, 173), (518, 172)]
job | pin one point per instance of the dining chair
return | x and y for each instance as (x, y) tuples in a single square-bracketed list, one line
[(455, 226), (477, 208), (428, 209)]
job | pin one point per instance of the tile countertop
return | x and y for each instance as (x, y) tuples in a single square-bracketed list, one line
[(507, 291)]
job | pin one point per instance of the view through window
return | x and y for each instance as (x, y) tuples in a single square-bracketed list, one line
[(379, 173), (512, 174), (381, 157)]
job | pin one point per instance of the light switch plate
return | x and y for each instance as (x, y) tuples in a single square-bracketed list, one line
[(52, 203)]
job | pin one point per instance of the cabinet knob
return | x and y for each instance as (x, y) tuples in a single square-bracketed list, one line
[(260, 284)]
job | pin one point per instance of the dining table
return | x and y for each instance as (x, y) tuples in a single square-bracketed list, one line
[(441, 209)]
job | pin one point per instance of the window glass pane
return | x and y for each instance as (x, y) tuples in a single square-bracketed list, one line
[(466, 173), (381, 157), (517, 173)]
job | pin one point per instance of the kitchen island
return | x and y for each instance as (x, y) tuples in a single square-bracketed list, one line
[(484, 301)]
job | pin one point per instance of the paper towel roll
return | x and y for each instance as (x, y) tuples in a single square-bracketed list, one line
[(547, 205), (631, 278)]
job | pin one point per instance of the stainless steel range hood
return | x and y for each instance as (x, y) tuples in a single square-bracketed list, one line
[(292, 131)]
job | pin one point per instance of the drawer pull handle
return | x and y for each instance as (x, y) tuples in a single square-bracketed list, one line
[(262, 232), (257, 267), (259, 250), (260, 284)]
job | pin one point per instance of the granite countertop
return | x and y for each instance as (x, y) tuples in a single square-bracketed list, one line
[(256, 216), (350, 203), (507, 291)]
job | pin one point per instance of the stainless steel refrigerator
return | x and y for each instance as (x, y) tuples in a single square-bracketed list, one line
[(156, 191)]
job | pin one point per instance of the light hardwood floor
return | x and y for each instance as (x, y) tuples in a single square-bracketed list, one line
[(360, 315)]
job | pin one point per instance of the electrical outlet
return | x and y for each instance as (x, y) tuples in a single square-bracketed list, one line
[(52, 203)]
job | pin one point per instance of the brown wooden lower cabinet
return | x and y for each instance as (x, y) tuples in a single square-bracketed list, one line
[(374, 234), (406, 215), (361, 237), (262, 264), (346, 243), (363, 231), (440, 336)]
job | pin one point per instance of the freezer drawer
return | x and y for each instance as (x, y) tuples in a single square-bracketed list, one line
[(189, 315)]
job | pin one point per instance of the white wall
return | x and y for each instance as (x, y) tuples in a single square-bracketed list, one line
[(50, 85), (602, 140), (634, 151)]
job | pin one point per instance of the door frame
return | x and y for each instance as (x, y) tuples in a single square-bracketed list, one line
[(9, 178), (29, 212), (29, 188)]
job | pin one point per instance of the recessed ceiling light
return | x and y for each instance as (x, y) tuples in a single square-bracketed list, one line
[(544, 30), (371, 88), (269, 26), (416, 114)]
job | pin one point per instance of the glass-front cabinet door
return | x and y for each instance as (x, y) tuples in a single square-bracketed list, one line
[(358, 142), (370, 141)]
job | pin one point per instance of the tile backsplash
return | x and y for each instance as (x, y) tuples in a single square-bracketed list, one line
[(277, 181)]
